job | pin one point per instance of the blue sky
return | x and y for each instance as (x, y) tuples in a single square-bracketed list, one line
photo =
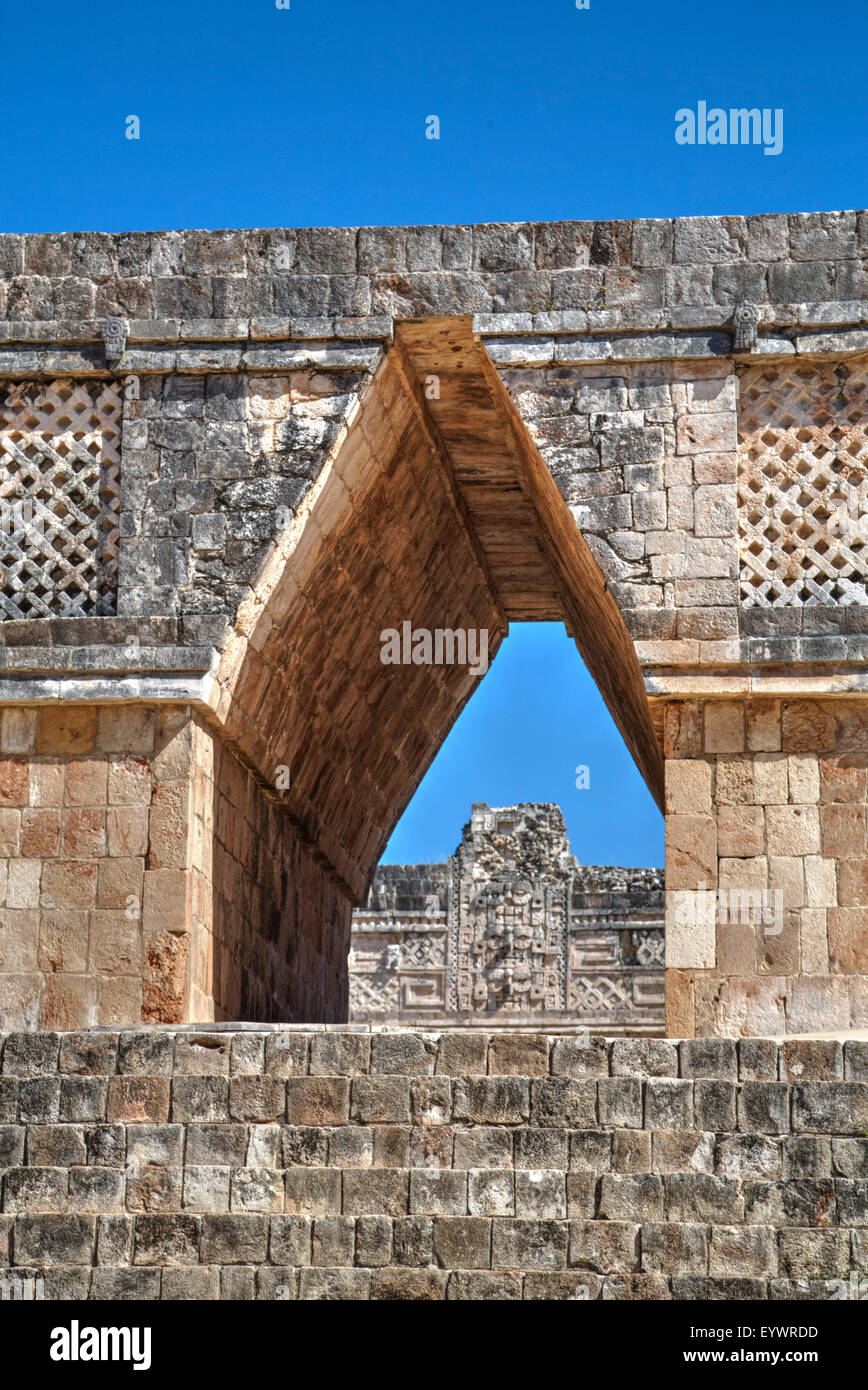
[(254, 116), (535, 718)]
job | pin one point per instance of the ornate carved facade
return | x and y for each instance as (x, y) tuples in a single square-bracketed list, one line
[(511, 931)]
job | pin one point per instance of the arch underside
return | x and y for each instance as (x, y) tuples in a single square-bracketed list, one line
[(436, 509)]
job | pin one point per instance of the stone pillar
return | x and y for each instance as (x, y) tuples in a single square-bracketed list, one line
[(95, 868), (766, 869), (146, 875)]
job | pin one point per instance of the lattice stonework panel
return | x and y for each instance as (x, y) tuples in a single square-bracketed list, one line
[(803, 484), (59, 498)]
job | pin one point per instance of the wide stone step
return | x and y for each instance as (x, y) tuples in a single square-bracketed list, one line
[(313, 1164)]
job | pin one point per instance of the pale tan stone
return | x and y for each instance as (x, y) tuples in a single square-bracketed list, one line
[(679, 1004), (770, 779), (119, 881), (817, 1004), (848, 939), (18, 730), (690, 930), (734, 781), (750, 1007), (740, 831), (820, 881), (85, 782), (744, 875), (688, 787), (691, 851), (120, 1001), (127, 831), (736, 948), (19, 940), (843, 831), (67, 1001), (83, 833), (173, 744), (778, 944), (115, 944), (807, 726), (23, 884), (857, 986), (68, 884), (804, 778), (10, 833), (129, 782), (814, 941), (203, 749), (764, 726), (792, 830), (46, 784), (853, 882), (19, 1000), (712, 433), (787, 877), (168, 829), (844, 777), (167, 898), (682, 728), (126, 729), (724, 727), (851, 720), (63, 938)]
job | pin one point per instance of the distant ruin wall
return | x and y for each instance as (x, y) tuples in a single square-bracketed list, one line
[(511, 932)]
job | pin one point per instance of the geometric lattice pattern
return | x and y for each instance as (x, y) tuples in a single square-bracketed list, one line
[(373, 994), (60, 453), (422, 949), (598, 994), (803, 485)]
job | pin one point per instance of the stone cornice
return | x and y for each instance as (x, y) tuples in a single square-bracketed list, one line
[(155, 346)]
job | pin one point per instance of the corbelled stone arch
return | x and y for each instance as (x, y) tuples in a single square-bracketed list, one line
[(433, 509)]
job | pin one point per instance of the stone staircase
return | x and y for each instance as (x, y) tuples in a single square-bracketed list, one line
[(281, 1162)]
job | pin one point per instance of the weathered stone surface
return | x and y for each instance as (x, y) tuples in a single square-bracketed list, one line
[(249, 1207), (647, 466)]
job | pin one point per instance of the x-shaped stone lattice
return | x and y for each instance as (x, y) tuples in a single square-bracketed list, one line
[(373, 993), (59, 498), (803, 485), (598, 993)]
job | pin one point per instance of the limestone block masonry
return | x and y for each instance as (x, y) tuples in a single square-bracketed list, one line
[(284, 1163), (230, 459)]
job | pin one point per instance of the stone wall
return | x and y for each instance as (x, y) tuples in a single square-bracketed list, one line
[(93, 867), (287, 1163), (146, 875), (272, 928), (652, 431), (765, 867)]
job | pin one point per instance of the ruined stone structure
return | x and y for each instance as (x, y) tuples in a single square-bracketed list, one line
[(511, 933), (231, 459)]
